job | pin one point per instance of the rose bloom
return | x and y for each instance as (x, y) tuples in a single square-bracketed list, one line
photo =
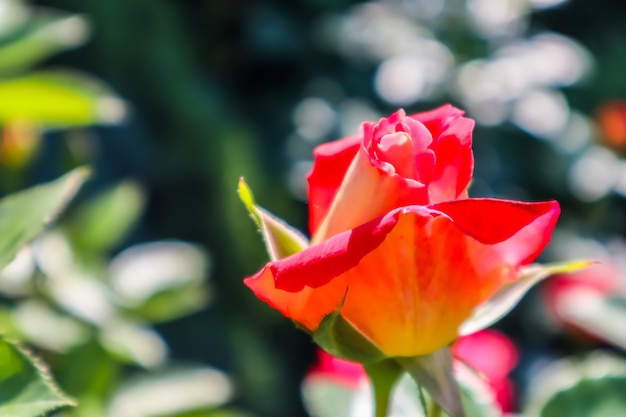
[(490, 353), (397, 247)]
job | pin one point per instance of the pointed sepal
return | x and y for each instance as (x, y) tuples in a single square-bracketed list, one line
[(434, 373), (281, 240), (512, 292)]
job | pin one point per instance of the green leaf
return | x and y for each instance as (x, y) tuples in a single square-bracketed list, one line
[(434, 373), (281, 240), (58, 100), (101, 223), (326, 397), (590, 398), (511, 293), (44, 35), (25, 214), (160, 280), (194, 387), (593, 387), (26, 389)]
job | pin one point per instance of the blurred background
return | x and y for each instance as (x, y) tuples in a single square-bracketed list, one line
[(138, 294)]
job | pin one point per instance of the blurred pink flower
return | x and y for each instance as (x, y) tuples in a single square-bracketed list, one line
[(562, 291), (489, 352), (345, 372), (493, 355)]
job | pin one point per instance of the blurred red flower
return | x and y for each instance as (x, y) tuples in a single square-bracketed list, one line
[(611, 118)]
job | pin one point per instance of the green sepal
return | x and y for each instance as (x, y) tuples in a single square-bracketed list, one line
[(281, 240), (339, 338), (512, 292), (434, 373)]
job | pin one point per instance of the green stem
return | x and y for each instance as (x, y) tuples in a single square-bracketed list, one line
[(383, 376), (434, 410)]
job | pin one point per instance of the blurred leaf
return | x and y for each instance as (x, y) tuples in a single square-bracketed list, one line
[(591, 387), (160, 280), (133, 343), (97, 382), (171, 392), (602, 397), (46, 328), (174, 303), (511, 293), (26, 389), (281, 240), (326, 397), (102, 222), (25, 214), (603, 317), (44, 35), (58, 100), (212, 413), (14, 15)]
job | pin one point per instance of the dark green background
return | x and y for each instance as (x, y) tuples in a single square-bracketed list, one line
[(211, 86)]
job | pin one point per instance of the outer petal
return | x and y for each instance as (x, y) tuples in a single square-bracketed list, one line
[(286, 284), (407, 280), (521, 229), (330, 163)]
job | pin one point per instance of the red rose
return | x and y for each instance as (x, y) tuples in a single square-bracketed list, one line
[(397, 248), (399, 161)]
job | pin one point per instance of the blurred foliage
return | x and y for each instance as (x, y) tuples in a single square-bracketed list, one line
[(213, 90)]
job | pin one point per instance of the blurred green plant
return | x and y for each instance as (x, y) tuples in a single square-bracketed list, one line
[(590, 386), (89, 316), (92, 316), (25, 387), (33, 101)]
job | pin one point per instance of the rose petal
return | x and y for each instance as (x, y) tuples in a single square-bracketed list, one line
[(455, 161), (286, 284), (367, 192), (408, 280), (438, 119), (523, 228), (330, 163)]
